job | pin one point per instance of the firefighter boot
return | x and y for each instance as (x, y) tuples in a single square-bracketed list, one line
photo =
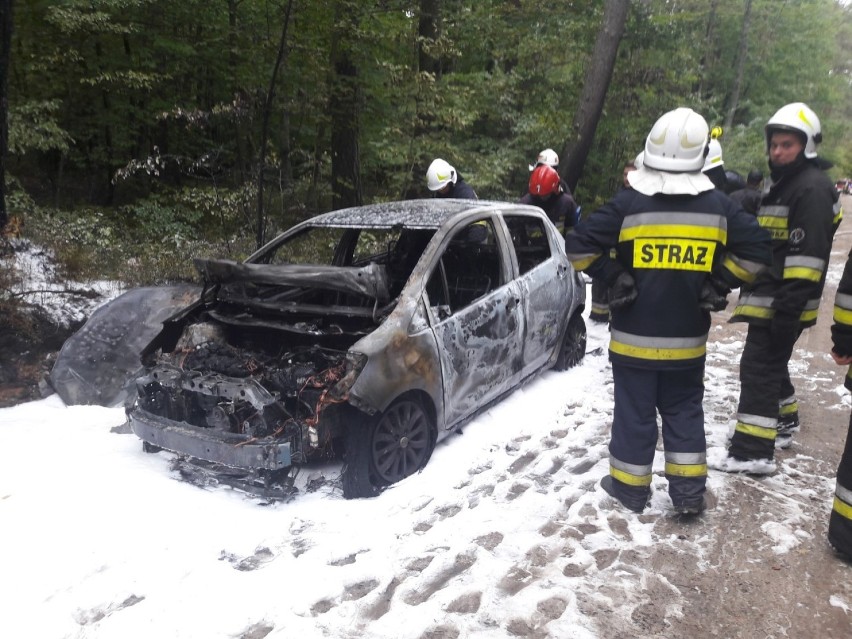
[(622, 494), (787, 425)]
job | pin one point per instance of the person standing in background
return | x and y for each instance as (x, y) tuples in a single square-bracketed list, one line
[(801, 211)]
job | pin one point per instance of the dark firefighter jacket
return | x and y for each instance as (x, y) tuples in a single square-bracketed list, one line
[(560, 208), (840, 523), (801, 211), (841, 330), (671, 245)]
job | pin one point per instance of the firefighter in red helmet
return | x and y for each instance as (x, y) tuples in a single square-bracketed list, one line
[(546, 192)]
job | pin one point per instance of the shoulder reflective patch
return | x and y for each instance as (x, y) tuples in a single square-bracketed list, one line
[(797, 236), (673, 253)]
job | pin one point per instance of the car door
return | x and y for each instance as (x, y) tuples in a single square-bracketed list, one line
[(544, 280), (476, 314)]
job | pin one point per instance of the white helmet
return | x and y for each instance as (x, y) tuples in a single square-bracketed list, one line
[(676, 142), (798, 118), (639, 162), (440, 174), (548, 157), (714, 155)]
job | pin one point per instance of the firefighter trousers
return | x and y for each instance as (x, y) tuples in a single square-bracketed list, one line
[(840, 522), (764, 382), (677, 394), (600, 302)]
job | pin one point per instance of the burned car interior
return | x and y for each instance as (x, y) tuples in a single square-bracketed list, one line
[(263, 372)]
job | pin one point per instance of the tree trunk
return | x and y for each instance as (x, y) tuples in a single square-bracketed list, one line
[(598, 77), (260, 229), (5, 55), (343, 108), (708, 57), (742, 54), (429, 30)]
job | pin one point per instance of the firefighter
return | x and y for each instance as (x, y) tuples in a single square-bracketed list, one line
[(445, 182), (749, 196), (599, 312), (801, 211), (714, 165), (840, 521), (680, 246), (545, 191), (549, 158)]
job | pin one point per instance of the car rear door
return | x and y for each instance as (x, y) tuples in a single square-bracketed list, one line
[(476, 315), (545, 284)]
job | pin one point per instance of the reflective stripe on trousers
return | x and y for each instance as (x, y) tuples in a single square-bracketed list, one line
[(677, 394), (764, 380), (840, 521)]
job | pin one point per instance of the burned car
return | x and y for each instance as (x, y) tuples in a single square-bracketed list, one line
[(368, 333)]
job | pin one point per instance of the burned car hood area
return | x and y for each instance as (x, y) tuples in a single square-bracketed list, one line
[(366, 334)]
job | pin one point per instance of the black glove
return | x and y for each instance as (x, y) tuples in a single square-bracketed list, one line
[(784, 328), (623, 291), (714, 296)]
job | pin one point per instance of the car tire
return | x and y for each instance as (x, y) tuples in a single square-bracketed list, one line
[(387, 448), (573, 347)]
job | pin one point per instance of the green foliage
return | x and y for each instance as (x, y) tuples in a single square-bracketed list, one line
[(34, 126), (143, 117)]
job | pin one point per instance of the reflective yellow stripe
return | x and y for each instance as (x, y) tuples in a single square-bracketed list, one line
[(737, 270), (807, 316), (788, 409), (756, 431), (630, 480), (842, 316), (581, 264), (841, 508), (686, 470), (754, 311), (685, 231), (771, 222), (657, 353), (759, 312), (802, 273)]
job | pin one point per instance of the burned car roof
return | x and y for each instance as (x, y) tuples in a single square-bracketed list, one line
[(431, 213)]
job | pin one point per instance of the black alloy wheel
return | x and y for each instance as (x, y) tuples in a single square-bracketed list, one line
[(401, 441)]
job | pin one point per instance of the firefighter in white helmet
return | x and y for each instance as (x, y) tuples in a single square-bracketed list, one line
[(445, 182), (680, 246), (801, 210), (714, 165)]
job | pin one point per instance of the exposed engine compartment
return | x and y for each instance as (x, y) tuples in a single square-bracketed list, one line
[(252, 384)]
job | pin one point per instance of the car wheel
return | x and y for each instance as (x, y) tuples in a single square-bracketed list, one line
[(573, 347), (390, 447)]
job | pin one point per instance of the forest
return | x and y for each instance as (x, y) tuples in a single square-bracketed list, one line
[(139, 133)]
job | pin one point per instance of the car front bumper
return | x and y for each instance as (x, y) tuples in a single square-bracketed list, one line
[(237, 451)]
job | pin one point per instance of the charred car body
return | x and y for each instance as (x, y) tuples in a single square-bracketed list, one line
[(370, 332)]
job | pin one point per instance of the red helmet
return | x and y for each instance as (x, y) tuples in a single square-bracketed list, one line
[(544, 181)]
